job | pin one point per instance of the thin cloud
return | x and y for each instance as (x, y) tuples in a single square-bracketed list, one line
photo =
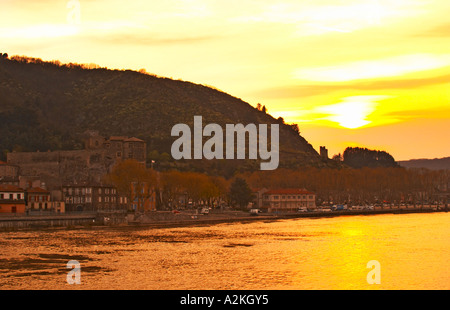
[(439, 31), (148, 39), (365, 85)]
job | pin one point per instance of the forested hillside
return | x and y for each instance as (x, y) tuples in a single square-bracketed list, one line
[(48, 106)]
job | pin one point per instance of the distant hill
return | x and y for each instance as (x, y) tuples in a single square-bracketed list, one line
[(357, 157), (48, 106), (432, 164)]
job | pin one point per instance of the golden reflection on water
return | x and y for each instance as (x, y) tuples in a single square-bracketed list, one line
[(325, 253)]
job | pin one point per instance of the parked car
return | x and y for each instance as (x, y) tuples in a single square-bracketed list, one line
[(255, 211), (339, 207), (204, 211)]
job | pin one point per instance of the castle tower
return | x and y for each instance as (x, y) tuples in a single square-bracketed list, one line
[(323, 152)]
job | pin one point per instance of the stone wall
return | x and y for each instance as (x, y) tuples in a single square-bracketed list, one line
[(63, 167)]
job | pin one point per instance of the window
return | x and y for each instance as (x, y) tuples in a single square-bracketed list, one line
[(99, 190), (310, 197), (276, 197), (99, 199), (88, 190)]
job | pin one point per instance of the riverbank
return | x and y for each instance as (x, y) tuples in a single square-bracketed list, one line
[(190, 219), (166, 219)]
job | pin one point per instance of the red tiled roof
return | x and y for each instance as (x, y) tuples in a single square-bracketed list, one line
[(120, 138), (134, 140), (10, 188), (37, 190), (288, 191)]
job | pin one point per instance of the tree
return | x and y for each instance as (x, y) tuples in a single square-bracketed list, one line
[(133, 180), (295, 128), (240, 193), (356, 157)]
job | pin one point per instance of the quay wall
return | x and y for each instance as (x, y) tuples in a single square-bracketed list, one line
[(27, 222)]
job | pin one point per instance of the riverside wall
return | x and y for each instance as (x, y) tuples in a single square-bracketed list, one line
[(163, 219), (27, 222)]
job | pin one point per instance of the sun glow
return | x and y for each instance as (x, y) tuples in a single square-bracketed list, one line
[(352, 112)]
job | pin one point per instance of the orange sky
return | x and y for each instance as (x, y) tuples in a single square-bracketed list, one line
[(370, 73)]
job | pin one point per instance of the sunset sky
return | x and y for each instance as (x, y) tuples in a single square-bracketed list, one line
[(370, 73)]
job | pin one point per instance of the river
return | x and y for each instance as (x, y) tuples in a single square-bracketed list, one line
[(413, 252)]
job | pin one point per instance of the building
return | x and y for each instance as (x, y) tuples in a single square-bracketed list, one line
[(7, 170), (12, 199), (9, 174), (43, 200), (38, 199), (87, 166), (143, 197), (118, 147), (258, 198), (323, 152), (79, 198), (288, 200)]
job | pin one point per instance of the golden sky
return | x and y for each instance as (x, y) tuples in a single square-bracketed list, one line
[(370, 73)]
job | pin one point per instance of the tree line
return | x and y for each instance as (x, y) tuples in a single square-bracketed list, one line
[(347, 185)]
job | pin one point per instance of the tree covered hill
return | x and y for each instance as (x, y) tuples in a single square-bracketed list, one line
[(357, 157), (432, 164), (48, 106)]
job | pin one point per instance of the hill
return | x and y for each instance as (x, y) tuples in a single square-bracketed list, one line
[(49, 106), (357, 157), (432, 164)]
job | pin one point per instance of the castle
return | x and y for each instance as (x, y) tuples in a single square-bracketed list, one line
[(57, 168)]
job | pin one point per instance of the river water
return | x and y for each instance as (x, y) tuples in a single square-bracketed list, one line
[(413, 251)]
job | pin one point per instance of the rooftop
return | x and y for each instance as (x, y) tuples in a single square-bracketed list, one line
[(37, 190), (10, 188), (288, 191)]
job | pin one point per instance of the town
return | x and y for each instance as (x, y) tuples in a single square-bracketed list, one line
[(111, 182)]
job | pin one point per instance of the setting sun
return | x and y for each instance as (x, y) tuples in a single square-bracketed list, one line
[(352, 112)]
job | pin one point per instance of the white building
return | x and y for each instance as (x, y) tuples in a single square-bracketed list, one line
[(288, 200)]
